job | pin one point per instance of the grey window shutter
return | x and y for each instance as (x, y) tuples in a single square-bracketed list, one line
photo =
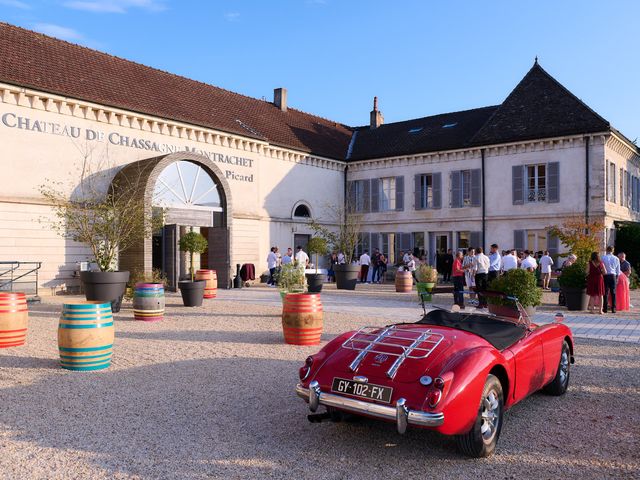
[(375, 194), (476, 188), (366, 192), (475, 238), (553, 182), (456, 192), (375, 241), (399, 193), (407, 242), (517, 177), (436, 185), (553, 244), (351, 196), (417, 194), (518, 239)]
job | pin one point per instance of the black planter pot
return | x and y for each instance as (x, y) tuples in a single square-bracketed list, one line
[(105, 287), (575, 298), (192, 292), (346, 276), (314, 282)]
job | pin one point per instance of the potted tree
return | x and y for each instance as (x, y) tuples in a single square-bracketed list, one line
[(515, 283), (106, 215), (316, 246), (573, 281), (290, 279), (192, 291), (426, 277), (344, 239)]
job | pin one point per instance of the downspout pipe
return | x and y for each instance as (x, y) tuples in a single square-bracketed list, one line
[(586, 179), (484, 198)]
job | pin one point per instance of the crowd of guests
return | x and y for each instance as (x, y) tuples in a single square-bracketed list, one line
[(608, 282), (275, 260)]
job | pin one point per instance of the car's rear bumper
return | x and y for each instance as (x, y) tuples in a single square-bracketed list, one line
[(399, 413)]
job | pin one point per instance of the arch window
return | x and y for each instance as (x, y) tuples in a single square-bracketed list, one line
[(186, 184), (302, 211)]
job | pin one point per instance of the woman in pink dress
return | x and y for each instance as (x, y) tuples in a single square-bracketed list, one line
[(595, 283), (622, 289)]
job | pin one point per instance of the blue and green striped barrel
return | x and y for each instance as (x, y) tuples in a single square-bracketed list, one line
[(148, 302), (85, 336)]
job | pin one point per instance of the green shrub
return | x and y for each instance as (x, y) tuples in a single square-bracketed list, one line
[(426, 273), (290, 277), (138, 276), (634, 280), (574, 276), (192, 242), (317, 246), (516, 283)]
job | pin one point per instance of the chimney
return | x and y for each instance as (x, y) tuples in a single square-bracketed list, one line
[(280, 98), (376, 118)]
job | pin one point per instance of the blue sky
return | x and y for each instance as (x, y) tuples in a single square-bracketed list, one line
[(419, 57)]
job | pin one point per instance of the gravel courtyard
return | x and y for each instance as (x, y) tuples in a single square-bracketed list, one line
[(208, 393)]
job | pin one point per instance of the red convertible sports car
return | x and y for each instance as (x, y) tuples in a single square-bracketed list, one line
[(453, 372)]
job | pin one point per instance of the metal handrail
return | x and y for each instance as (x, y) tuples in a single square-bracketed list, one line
[(16, 275)]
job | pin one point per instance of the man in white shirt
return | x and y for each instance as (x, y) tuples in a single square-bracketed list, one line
[(288, 258), (546, 263), (612, 270), (528, 262), (365, 261), (509, 261), (301, 257), (481, 265), (272, 263), (406, 257)]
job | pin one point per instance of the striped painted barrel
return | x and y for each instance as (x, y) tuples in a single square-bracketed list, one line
[(404, 282), (148, 302), (302, 318), (85, 336), (14, 317), (211, 286)]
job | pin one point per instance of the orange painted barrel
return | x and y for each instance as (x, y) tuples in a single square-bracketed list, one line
[(302, 318), (211, 279), (14, 317), (404, 282), (85, 336)]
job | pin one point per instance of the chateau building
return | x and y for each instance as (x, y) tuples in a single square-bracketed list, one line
[(250, 173)]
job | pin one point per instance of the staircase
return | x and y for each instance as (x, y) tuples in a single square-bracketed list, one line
[(18, 276)]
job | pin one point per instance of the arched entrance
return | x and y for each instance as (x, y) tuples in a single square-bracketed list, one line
[(189, 191)]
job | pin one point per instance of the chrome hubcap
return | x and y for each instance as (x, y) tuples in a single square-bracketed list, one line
[(490, 416), (564, 367)]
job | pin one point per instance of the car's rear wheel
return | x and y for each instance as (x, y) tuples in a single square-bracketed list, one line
[(560, 382), (481, 440)]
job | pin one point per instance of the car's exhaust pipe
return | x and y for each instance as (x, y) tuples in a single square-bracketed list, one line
[(318, 417)]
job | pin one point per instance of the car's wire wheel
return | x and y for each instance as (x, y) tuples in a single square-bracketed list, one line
[(490, 416)]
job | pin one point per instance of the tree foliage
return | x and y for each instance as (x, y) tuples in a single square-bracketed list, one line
[(580, 237), (517, 283), (317, 246), (192, 243)]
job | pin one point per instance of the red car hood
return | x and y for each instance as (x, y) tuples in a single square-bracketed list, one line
[(424, 346)]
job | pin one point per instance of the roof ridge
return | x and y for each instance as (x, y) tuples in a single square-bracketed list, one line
[(175, 75)]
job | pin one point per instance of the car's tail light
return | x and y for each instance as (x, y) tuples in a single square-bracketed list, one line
[(306, 369), (308, 362), (438, 383), (434, 397)]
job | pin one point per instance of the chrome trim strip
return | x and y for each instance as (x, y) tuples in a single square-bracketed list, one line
[(397, 413)]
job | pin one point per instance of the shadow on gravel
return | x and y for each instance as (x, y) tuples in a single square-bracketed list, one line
[(261, 337), (28, 362)]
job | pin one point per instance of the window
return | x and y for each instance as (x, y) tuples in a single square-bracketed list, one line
[(426, 191), (465, 188), (387, 194), (418, 244), (622, 196), (611, 182), (464, 239), (535, 241), (358, 195), (536, 182), (302, 211)]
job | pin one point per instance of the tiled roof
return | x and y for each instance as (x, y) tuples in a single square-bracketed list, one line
[(539, 107), (447, 131), (44, 63)]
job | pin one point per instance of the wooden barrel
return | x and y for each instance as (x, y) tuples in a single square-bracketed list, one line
[(211, 278), (302, 318), (85, 336), (14, 317), (404, 281), (148, 302)]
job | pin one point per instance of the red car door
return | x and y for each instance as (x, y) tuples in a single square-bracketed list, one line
[(529, 365)]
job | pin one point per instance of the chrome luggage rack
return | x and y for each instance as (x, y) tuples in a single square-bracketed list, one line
[(402, 343)]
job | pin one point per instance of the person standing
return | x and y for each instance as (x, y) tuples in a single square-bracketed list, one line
[(595, 283), (546, 262), (365, 261), (411, 266), (469, 272), (288, 257), (382, 268), (528, 262), (622, 289), (495, 263), (301, 257), (375, 263), (481, 265), (331, 274), (612, 272), (457, 273), (272, 263), (447, 265), (509, 261)]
